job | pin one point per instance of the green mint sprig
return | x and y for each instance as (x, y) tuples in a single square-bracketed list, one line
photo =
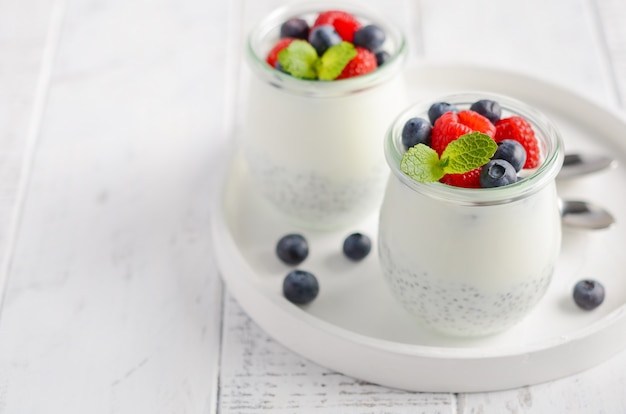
[(464, 154), (300, 60)]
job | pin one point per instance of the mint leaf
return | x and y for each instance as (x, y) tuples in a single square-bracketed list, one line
[(334, 60), (464, 154), (422, 164), (468, 152), (299, 59)]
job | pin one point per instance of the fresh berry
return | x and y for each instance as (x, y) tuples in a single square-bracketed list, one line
[(344, 23), (497, 173), (292, 249), (300, 287), (520, 130), (382, 56), (272, 56), (364, 62), (488, 108), (370, 37), (439, 108), (296, 28), (511, 151), (588, 294), (323, 37), (357, 246), (447, 128), (477, 122), (470, 179), (416, 131)]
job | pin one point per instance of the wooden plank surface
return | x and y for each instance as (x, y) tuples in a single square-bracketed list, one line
[(113, 302)]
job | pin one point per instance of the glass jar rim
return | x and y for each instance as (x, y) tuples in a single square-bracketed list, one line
[(270, 26), (545, 130)]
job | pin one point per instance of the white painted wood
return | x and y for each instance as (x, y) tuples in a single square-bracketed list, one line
[(258, 375), (113, 302)]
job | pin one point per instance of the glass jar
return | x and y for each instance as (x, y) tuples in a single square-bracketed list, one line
[(313, 147), (471, 262)]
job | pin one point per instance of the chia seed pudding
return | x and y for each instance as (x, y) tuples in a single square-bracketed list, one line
[(312, 147), (471, 262), (307, 196)]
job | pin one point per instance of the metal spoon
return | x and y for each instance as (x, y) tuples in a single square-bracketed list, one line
[(575, 165), (584, 215)]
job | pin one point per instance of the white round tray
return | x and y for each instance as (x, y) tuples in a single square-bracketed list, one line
[(354, 326)]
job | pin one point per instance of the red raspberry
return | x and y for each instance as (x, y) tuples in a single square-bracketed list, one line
[(364, 62), (447, 128), (477, 122), (520, 130), (470, 179), (344, 23), (272, 56)]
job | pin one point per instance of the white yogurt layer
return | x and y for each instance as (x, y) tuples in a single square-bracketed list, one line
[(320, 160), (472, 270)]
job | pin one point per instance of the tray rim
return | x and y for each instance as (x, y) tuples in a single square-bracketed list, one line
[(610, 326)]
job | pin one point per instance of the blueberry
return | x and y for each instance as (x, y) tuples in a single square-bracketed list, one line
[(370, 37), (497, 173), (588, 294), (357, 246), (416, 131), (488, 108), (439, 108), (296, 28), (300, 287), (382, 56), (323, 37), (280, 68), (292, 249), (511, 151)]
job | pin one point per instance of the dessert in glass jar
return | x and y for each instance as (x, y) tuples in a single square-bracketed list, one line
[(470, 227), (326, 82)]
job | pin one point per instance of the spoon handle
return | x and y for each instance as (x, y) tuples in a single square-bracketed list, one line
[(575, 165)]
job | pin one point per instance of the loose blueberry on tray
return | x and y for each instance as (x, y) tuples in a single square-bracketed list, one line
[(588, 294), (357, 246), (300, 287), (292, 249)]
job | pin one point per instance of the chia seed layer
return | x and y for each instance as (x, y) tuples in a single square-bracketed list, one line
[(317, 200), (460, 308)]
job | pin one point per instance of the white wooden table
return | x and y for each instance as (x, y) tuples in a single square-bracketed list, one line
[(114, 117)]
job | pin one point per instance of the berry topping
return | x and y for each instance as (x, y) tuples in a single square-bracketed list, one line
[(344, 23), (470, 179), (447, 128), (588, 294), (300, 287), (292, 249), (416, 131), (477, 122), (520, 130), (363, 63), (272, 56), (357, 246), (382, 57), (488, 108), (511, 151), (497, 173), (295, 28), (370, 37), (323, 37), (439, 108), (325, 49)]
